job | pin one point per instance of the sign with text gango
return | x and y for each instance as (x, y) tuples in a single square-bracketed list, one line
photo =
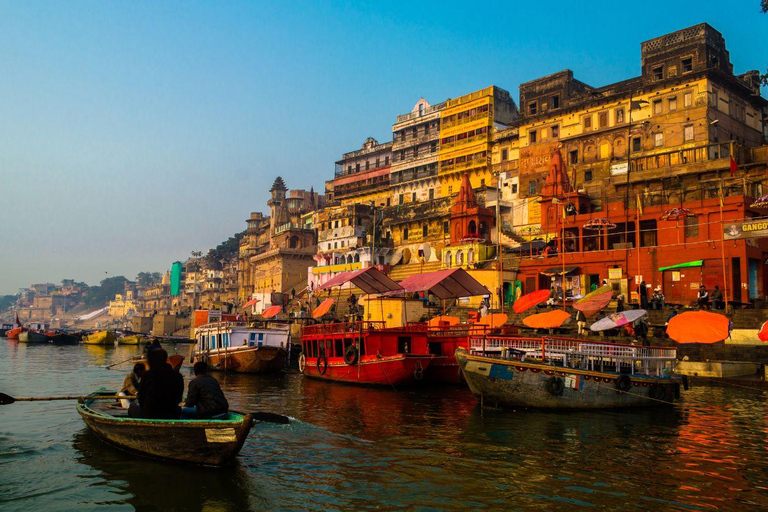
[(746, 229)]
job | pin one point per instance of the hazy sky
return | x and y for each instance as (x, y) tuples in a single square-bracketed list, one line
[(132, 133)]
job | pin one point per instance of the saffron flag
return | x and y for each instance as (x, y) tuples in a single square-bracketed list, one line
[(734, 167)]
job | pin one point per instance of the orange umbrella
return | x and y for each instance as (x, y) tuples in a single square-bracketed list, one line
[(250, 303), (271, 311), (443, 321), (323, 308), (548, 320), (529, 300), (763, 332), (698, 327)]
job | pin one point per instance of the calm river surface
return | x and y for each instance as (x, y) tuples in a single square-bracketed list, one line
[(354, 448)]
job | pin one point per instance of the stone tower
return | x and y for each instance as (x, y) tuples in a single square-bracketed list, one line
[(275, 202)]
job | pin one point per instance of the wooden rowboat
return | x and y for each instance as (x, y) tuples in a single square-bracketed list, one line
[(100, 338), (214, 442), (13, 334), (133, 339)]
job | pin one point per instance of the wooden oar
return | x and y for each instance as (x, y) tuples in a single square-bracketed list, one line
[(121, 362), (270, 417), (7, 399)]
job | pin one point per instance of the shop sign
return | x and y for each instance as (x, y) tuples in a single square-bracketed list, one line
[(746, 229), (614, 273), (619, 169), (675, 276)]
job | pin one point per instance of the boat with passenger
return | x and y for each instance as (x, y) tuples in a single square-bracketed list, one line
[(211, 442), (236, 347), (562, 373)]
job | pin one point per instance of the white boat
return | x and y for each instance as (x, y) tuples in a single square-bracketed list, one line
[(235, 347)]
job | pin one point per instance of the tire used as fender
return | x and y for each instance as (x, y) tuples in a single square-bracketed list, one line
[(351, 355), (623, 383), (302, 362), (418, 373), (322, 364), (555, 386)]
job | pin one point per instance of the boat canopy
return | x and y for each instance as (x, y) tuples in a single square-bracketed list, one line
[(369, 279), (690, 264), (444, 284)]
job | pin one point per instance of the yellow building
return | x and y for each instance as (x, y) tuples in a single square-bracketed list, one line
[(466, 124), (122, 305)]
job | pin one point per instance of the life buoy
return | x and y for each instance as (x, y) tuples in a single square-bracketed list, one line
[(555, 386), (351, 355), (623, 383), (418, 372), (322, 364), (302, 362)]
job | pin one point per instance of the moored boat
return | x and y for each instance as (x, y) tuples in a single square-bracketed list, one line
[(32, 337), (133, 339), (99, 338), (13, 334), (365, 353), (63, 338), (175, 360), (214, 442), (235, 347), (558, 373), (4, 328)]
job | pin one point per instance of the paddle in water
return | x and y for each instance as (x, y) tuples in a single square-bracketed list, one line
[(269, 417)]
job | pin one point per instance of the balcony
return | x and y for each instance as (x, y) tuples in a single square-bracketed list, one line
[(464, 120), (424, 113), (507, 166), (464, 141), (406, 176), (409, 141), (471, 164)]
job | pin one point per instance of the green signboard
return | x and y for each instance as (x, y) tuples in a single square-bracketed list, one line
[(176, 279)]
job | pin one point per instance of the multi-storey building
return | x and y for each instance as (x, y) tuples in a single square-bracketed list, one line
[(466, 124), (681, 135), (415, 144), (280, 269), (362, 176)]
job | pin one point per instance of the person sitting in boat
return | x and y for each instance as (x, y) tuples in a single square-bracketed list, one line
[(160, 390), (131, 384), (205, 399)]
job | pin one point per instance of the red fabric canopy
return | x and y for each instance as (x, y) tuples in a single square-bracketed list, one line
[(323, 308), (271, 311), (370, 280), (444, 284)]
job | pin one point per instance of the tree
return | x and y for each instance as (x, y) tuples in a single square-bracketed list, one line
[(225, 250), (147, 278), (99, 296)]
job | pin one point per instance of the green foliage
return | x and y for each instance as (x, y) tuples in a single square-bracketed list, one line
[(147, 278), (764, 5), (99, 296), (225, 250), (7, 301)]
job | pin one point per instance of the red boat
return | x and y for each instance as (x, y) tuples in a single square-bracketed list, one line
[(365, 353), (13, 334)]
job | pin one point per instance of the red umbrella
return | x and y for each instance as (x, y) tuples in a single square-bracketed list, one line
[(677, 214), (271, 311), (599, 223), (763, 332), (250, 303), (529, 300), (699, 327)]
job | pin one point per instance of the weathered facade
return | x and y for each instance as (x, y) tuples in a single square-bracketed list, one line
[(415, 144), (362, 176)]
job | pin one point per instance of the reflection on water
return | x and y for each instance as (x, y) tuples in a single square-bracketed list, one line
[(353, 448)]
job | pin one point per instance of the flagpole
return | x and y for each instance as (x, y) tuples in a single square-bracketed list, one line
[(722, 247)]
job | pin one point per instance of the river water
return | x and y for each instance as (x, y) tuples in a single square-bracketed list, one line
[(353, 448)]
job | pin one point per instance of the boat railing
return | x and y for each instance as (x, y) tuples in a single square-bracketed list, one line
[(594, 356), (341, 327)]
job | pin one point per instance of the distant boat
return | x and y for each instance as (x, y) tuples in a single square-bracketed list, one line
[(134, 339), (32, 337), (214, 442), (100, 338), (235, 347), (4, 328), (13, 334), (62, 338)]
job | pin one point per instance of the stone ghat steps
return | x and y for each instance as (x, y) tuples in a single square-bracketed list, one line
[(400, 272)]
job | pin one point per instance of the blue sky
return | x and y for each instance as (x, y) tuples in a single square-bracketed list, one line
[(133, 133)]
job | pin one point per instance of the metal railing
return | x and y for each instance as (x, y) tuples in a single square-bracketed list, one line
[(593, 356), (341, 327)]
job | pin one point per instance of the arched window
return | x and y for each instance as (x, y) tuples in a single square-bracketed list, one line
[(448, 259), (356, 258), (459, 258), (472, 227), (471, 256)]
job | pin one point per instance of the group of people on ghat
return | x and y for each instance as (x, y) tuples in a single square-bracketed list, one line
[(159, 391)]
